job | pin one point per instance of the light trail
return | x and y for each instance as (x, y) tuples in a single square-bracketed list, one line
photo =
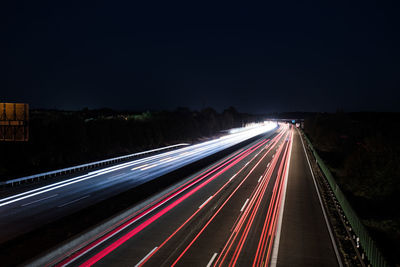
[(176, 198), (255, 212), (153, 218), (248, 215), (101, 238), (272, 143), (149, 167), (151, 207), (216, 213), (271, 214), (200, 150)]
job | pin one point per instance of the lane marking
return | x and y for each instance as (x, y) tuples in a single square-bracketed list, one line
[(73, 201), (26, 204), (145, 257), (245, 203), (212, 259), (205, 202), (323, 209), (269, 163), (232, 177), (259, 179)]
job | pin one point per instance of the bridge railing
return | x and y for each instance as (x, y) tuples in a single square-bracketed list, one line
[(82, 167), (371, 250)]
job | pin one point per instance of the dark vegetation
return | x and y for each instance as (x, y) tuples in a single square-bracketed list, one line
[(363, 152), (61, 139)]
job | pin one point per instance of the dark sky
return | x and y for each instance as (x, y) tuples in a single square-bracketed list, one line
[(274, 56)]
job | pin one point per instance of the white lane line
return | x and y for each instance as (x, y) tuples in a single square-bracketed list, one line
[(323, 209), (73, 201), (269, 163), (145, 257), (273, 155), (205, 202), (139, 167), (275, 249), (232, 177), (212, 259), (245, 203), (259, 179), (26, 204), (149, 167), (247, 163)]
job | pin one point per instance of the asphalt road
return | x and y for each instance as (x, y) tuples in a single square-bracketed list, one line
[(304, 239), (256, 207), (227, 214), (24, 211)]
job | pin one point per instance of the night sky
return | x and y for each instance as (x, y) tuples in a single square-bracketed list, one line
[(270, 57)]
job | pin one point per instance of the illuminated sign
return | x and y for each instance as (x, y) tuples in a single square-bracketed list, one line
[(14, 118)]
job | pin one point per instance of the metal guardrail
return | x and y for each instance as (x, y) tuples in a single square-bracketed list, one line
[(82, 167), (367, 243)]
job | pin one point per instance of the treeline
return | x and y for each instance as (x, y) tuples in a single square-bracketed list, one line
[(363, 152), (65, 138)]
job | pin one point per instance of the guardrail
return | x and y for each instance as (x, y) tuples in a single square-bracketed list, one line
[(367, 243), (82, 167)]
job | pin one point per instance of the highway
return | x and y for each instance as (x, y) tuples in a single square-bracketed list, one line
[(24, 211), (257, 206), (225, 215)]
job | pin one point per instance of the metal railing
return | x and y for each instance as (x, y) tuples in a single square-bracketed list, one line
[(82, 167), (367, 243)]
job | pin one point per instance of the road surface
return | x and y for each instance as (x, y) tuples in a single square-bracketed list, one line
[(228, 214), (304, 238), (256, 207), (36, 206)]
